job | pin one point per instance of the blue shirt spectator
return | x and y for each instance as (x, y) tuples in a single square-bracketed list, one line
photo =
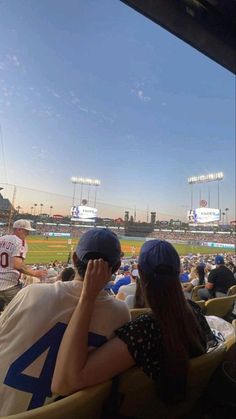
[(122, 281)]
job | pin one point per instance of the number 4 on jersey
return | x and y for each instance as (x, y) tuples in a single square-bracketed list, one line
[(40, 387)]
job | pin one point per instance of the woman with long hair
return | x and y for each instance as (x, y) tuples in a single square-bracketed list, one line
[(160, 342), (197, 277)]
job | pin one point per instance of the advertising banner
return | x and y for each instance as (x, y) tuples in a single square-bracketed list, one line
[(203, 215), (83, 213)]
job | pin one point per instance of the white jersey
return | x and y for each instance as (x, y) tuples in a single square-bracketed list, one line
[(31, 329), (10, 246)]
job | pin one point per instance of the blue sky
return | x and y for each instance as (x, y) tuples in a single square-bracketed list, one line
[(92, 88)]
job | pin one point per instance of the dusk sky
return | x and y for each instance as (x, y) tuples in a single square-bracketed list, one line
[(92, 88)]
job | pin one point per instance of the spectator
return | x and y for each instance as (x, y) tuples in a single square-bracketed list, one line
[(128, 289), (160, 343), (51, 276), (13, 250), (197, 277), (137, 300), (32, 326), (184, 274), (67, 274), (125, 280), (220, 280)]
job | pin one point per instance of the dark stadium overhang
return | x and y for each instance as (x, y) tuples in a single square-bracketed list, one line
[(207, 25)]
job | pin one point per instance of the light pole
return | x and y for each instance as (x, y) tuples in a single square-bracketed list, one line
[(41, 207), (226, 213), (87, 182), (35, 205), (51, 208), (223, 218)]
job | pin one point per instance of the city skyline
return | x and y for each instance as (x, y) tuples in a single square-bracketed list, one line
[(100, 91)]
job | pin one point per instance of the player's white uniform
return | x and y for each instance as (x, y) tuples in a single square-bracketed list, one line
[(10, 246), (31, 329)]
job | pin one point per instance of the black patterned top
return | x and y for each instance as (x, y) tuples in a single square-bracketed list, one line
[(144, 341)]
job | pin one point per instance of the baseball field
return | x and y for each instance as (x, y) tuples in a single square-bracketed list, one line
[(42, 250)]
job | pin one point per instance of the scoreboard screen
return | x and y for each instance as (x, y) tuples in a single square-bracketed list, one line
[(83, 213), (203, 215)]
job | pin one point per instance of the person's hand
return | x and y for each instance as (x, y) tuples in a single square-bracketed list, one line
[(41, 273), (97, 275)]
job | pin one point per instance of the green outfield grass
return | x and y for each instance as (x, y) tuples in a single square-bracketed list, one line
[(43, 250)]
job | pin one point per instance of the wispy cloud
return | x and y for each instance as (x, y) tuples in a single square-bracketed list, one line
[(8, 61), (53, 92), (75, 101), (143, 97), (138, 91), (15, 60)]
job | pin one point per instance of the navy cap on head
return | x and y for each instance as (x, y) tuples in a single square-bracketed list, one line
[(219, 260), (99, 240), (202, 265), (158, 252)]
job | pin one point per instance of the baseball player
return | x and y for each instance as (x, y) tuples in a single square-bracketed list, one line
[(13, 250)]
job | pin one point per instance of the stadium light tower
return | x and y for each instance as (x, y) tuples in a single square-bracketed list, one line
[(211, 177), (84, 181)]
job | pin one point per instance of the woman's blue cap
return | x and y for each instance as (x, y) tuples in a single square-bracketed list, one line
[(158, 252)]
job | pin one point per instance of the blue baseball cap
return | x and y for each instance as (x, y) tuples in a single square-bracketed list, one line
[(99, 240), (158, 252), (219, 260)]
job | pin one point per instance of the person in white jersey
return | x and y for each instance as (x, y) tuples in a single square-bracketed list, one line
[(33, 324), (13, 250)]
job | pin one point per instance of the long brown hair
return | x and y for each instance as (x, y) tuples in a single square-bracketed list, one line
[(180, 331), (139, 299)]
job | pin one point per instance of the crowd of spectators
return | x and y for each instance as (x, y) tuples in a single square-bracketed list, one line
[(45, 229), (127, 284), (215, 237)]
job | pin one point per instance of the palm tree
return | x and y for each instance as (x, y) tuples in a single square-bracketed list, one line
[(226, 213), (35, 205), (41, 207), (31, 210), (51, 208)]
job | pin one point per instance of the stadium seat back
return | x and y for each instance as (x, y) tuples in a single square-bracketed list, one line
[(85, 404), (219, 306), (135, 312), (194, 294), (139, 394), (232, 291)]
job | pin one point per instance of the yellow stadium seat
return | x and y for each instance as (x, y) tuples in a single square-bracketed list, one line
[(219, 306), (139, 394), (232, 290), (85, 404), (135, 312), (194, 294)]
